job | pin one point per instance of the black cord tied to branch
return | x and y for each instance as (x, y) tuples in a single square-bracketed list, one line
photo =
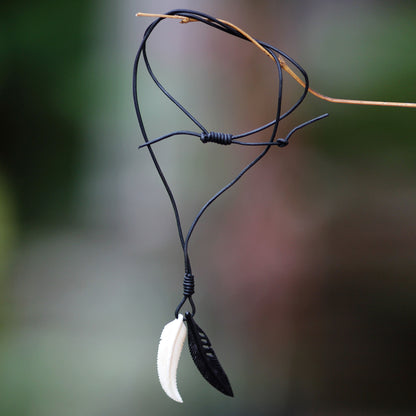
[(280, 58)]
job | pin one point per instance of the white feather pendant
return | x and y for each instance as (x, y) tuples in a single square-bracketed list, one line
[(169, 352)]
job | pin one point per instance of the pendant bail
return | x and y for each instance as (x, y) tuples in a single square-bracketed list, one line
[(188, 291)]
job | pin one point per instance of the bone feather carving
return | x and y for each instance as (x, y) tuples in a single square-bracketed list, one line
[(169, 352)]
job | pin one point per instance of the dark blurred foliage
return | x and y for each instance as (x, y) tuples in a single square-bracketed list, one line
[(43, 47)]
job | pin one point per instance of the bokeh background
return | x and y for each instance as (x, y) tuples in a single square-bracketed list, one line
[(305, 270)]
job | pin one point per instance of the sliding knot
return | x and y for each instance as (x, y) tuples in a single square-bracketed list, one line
[(282, 142), (188, 285), (219, 138)]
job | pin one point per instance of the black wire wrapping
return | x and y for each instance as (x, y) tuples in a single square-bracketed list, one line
[(214, 137), (219, 138)]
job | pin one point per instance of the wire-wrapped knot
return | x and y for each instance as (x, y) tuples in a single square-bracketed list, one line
[(219, 138), (188, 285)]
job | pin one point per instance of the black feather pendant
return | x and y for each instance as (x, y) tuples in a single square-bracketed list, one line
[(205, 359)]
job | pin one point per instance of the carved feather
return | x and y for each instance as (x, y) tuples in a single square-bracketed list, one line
[(205, 359), (169, 352)]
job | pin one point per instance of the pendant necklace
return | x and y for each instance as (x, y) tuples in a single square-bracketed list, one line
[(184, 325)]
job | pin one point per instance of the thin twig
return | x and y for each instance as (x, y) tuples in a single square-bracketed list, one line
[(286, 67)]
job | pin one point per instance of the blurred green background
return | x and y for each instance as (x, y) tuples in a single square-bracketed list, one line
[(305, 271)]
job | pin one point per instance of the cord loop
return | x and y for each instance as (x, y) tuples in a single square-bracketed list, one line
[(281, 60)]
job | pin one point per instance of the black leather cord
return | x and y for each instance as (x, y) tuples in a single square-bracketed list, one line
[(213, 137)]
